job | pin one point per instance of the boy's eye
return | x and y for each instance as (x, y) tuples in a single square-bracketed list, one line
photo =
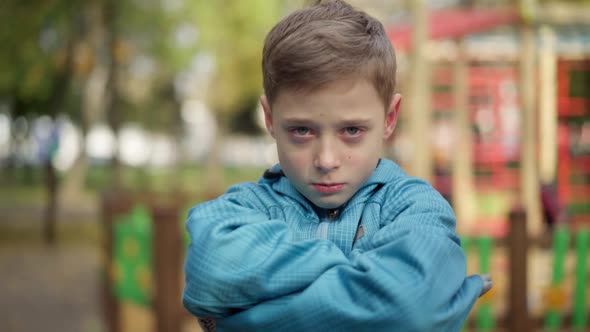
[(352, 131), (300, 131)]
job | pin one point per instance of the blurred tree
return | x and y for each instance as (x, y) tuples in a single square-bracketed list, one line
[(91, 59), (233, 31), (139, 57), (36, 70)]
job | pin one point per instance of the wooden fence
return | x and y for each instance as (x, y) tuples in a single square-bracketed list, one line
[(559, 314), (167, 254)]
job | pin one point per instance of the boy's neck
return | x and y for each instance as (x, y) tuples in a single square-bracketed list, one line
[(330, 214)]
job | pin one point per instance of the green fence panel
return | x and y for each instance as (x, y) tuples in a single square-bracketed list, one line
[(555, 296), (485, 315), (580, 318), (132, 241)]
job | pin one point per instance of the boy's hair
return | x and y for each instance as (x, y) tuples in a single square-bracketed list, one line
[(323, 43)]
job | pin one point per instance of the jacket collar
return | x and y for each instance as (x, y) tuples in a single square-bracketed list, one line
[(385, 172)]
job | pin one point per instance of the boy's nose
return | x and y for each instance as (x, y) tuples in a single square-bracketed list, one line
[(326, 158)]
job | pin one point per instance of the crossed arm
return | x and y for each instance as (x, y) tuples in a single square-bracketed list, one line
[(247, 272)]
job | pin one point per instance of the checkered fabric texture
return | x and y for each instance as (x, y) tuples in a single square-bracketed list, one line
[(263, 258)]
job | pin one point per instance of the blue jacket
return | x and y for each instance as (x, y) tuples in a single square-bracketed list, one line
[(263, 258)]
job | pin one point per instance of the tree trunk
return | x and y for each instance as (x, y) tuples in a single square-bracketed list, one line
[(55, 102), (74, 183), (112, 107), (92, 107), (50, 214)]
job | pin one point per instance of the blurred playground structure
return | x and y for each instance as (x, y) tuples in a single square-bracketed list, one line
[(496, 116)]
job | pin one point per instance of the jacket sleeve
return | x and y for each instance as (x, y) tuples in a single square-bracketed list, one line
[(239, 257), (412, 279)]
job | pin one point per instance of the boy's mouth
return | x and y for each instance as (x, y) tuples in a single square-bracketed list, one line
[(328, 188)]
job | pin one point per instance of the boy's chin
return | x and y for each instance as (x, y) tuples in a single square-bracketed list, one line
[(328, 204)]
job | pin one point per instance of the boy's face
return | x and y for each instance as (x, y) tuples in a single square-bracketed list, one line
[(329, 141)]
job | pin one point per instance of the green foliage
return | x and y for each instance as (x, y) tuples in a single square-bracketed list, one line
[(40, 36), (35, 35), (234, 32)]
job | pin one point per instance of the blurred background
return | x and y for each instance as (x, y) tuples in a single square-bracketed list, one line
[(116, 116)]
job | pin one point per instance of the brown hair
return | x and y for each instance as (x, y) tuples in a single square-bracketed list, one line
[(323, 43)]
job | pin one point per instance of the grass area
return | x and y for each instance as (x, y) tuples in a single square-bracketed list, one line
[(24, 186), (15, 195), (22, 199), (86, 233), (190, 179)]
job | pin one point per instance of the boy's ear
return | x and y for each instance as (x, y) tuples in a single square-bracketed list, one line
[(392, 114), (267, 115)]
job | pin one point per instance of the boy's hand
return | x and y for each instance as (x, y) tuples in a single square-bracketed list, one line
[(487, 283), (207, 324)]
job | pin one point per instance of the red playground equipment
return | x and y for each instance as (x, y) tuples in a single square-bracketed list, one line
[(573, 167)]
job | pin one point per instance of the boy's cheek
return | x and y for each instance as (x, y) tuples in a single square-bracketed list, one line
[(294, 158)]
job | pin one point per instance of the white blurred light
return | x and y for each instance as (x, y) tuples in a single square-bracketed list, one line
[(443, 137), (484, 118), (4, 129), (69, 146), (194, 82), (201, 128), (142, 67), (4, 135), (172, 6), (27, 151), (271, 156), (44, 137), (510, 137), (163, 151), (510, 118), (21, 128), (186, 35), (100, 142), (42, 127), (134, 145), (249, 151), (203, 64), (194, 111)]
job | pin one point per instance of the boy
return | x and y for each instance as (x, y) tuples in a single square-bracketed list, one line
[(334, 237)]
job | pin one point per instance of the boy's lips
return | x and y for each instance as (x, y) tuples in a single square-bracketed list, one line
[(328, 188)]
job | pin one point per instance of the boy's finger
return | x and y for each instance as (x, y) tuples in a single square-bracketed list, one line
[(487, 283)]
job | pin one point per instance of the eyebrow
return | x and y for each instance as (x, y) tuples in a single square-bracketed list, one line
[(343, 123), (355, 122), (295, 121)]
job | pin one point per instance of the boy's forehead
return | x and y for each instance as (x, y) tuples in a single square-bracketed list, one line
[(336, 89), (351, 100)]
